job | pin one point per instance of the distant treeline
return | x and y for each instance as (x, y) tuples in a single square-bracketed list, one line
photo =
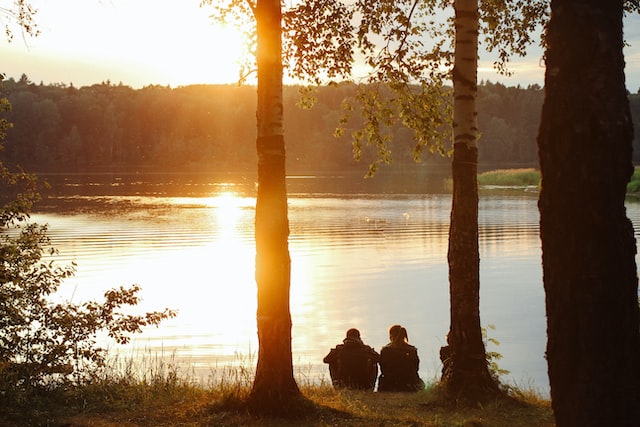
[(107, 127)]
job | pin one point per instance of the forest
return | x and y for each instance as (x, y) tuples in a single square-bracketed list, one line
[(113, 127)]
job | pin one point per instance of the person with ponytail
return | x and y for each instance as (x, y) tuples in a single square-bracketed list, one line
[(399, 363)]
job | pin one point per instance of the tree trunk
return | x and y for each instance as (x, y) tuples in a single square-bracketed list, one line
[(588, 245), (466, 372), (274, 384)]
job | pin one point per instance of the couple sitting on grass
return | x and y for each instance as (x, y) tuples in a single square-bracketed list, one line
[(353, 364)]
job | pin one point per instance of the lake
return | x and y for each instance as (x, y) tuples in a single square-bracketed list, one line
[(362, 256)]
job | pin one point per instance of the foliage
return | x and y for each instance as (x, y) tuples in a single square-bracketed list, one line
[(20, 13), (631, 6), (493, 356), (107, 127), (208, 128), (326, 46), (509, 27), (5, 106), (44, 344), (407, 47), (499, 109), (404, 80)]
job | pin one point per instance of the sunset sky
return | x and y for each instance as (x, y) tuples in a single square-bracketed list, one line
[(168, 42)]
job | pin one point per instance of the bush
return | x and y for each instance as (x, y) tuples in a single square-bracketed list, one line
[(45, 344), (493, 356)]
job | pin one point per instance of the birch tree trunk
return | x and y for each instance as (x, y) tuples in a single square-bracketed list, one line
[(274, 383), (466, 372), (588, 244)]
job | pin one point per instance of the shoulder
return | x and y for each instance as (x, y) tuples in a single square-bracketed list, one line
[(371, 350), (404, 349), (411, 349), (333, 353), (388, 350)]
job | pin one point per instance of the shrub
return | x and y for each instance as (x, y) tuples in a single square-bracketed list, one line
[(45, 344), (493, 356)]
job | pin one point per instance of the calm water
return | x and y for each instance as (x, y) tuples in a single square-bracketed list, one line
[(360, 258)]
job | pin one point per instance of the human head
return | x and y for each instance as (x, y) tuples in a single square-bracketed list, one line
[(398, 333), (353, 333)]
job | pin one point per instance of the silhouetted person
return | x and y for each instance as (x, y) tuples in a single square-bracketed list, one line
[(353, 364), (399, 363)]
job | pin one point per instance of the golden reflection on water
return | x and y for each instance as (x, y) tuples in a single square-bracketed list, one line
[(361, 262), (216, 294)]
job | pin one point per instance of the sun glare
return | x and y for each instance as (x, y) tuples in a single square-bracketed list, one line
[(228, 208), (214, 56), (220, 273), (136, 43), (211, 54)]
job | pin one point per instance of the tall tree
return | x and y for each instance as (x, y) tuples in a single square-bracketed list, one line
[(274, 387), (407, 86), (588, 245), (466, 372), (274, 382)]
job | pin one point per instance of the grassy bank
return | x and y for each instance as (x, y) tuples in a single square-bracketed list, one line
[(530, 177), (524, 178), (150, 405), (167, 396)]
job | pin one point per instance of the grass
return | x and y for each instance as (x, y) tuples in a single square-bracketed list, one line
[(167, 395), (510, 178), (505, 179), (530, 177)]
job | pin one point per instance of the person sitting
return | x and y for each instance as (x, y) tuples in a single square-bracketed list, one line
[(353, 364), (399, 363)]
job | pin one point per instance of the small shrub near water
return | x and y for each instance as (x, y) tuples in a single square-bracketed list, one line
[(48, 349)]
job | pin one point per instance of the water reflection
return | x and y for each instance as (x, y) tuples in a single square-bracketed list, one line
[(363, 260)]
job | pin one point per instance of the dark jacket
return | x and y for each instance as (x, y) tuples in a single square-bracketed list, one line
[(399, 364), (353, 364)]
